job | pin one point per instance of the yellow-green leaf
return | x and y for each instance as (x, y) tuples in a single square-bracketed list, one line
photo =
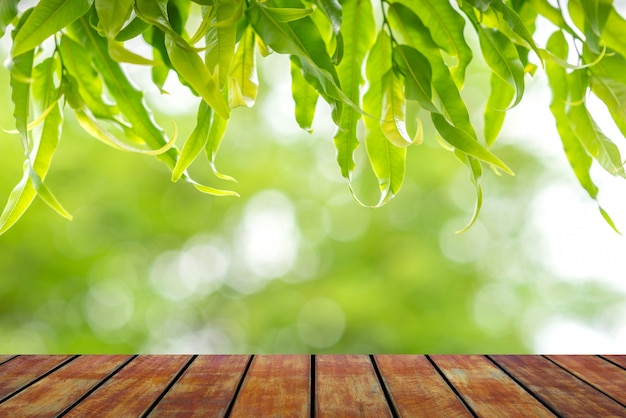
[(48, 17), (243, 81), (393, 123)]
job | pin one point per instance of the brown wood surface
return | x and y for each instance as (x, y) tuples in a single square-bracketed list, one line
[(206, 389), (417, 389), (60, 389), (278, 385), (619, 360), (22, 370), (321, 386), (598, 372), (132, 390), (5, 357), (564, 393), (347, 386), (486, 389)]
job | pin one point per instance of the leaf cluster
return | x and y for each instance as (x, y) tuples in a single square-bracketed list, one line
[(366, 59)]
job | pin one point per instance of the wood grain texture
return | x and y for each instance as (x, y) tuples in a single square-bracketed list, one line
[(598, 372), (206, 389), (565, 394), (22, 370), (277, 385), (486, 389), (133, 389), (617, 359), (347, 386), (57, 391), (417, 389), (5, 358)]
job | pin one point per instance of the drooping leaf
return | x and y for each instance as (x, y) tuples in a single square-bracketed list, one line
[(611, 24), (577, 156), (243, 81), (501, 55), (464, 142), (48, 17), (112, 14), (220, 41), (134, 28), (475, 172), (500, 97), (215, 136), (387, 161), (358, 29), (304, 97), (288, 14), (598, 145), (393, 123), (8, 11), (608, 82), (413, 32), (515, 23), (195, 142), (119, 53), (302, 39), (446, 27), (190, 66), (417, 75), (332, 10), (128, 98), (594, 18)]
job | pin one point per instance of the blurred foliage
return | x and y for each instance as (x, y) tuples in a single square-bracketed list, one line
[(294, 265)]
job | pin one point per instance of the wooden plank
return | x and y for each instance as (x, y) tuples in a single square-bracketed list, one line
[(617, 359), (605, 376), (60, 389), (417, 389), (205, 389), (347, 386), (132, 390), (486, 388), (22, 370), (4, 358), (563, 392), (277, 385)]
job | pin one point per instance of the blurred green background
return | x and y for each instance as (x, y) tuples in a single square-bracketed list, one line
[(294, 265)]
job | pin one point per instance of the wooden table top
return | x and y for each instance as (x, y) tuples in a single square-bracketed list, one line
[(320, 385)]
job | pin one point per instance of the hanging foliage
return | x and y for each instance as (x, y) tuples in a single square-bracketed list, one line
[(366, 59)]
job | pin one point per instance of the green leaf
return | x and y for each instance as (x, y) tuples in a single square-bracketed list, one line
[(410, 28), (135, 28), (598, 145), (501, 56), (387, 160), (304, 97), (464, 142), (476, 172), (220, 41), (48, 17), (112, 14), (288, 14), (613, 29), (119, 53), (195, 142), (514, 22), (595, 13), (129, 99), (216, 134), (417, 75), (500, 98), (77, 64), (189, 66), (332, 10), (8, 11), (446, 27), (38, 158), (394, 123), (577, 156), (481, 5), (608, 82), (243, 81), (359, 30), (301, 38)]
